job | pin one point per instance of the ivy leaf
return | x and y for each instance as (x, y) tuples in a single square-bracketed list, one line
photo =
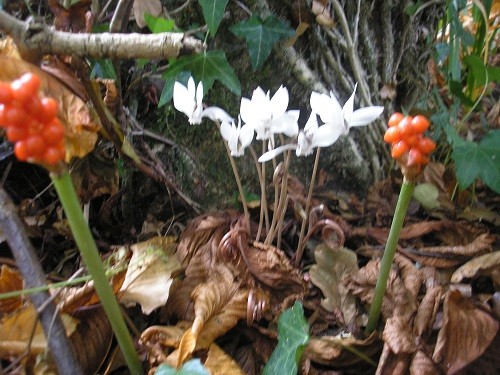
[(473, 160), (293, 337), (158, 24), (206, 67), (261, 36), (192, 367), (213, 11)]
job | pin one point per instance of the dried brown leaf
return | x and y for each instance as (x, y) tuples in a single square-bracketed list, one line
[(388, 91), (219, 304), (398, 300), (391, 364), (481, 265), (74, 18), (332, 266), (149, 274), (10, 280), (343, 353), (220, 363), (422, 364), (141, 7), (92, 339), (466, 333), (427, 311), (449, 256), (21, 328), (399, 336), (411, 275)]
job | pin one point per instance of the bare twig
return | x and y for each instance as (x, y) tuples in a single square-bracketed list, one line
[(40, 38), (60, 346)]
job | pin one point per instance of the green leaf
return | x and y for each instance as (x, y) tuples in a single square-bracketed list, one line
[(158, 24), (473, 160), (213, 11), (192, 367), (261, 36), (206, 67), (477, 68), (293, 337), (103, 68)]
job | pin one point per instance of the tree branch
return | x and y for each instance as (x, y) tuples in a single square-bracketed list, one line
[(36, 36)]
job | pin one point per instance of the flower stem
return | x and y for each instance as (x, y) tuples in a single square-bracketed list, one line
[(301, 246), (240, 187), (92, 260), (390, 250)]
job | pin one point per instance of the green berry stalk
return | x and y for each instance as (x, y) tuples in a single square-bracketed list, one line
[(411, 150)]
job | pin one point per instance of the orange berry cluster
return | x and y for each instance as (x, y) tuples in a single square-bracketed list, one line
[(408, 145), (31, 122)]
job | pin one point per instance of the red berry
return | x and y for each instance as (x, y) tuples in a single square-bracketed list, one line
[(405, 127), (395, 119), (33, 106), (392, 135), (50, 108), (25, 87), (3, 121), (17, 133), (15, 116), (413, 139), (415, 157), (5, 93), (398, 149), (420, 123), (53, 132), (426, 145), (52, 156), (21, 151), (35, 146)]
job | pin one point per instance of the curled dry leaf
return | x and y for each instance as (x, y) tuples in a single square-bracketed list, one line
[(449, 256), (466, 333), (398, 336), (219, 362), (347, 353), (219, 304), (81, 126), (10, 280), (149, 274), (482, 265), (426, 314), (332, 266), (398, 300)]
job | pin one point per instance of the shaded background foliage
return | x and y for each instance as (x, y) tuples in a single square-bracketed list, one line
[(385, 48)]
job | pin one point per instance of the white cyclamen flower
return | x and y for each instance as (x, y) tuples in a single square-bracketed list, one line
[(188, 100), (337, 122), (238, 137), (269, 116), (342, 119), (308, 139)]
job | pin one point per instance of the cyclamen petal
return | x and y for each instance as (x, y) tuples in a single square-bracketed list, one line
[(216, 114), (271, 154), (279, 102), (183, 101), (365, 116)]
